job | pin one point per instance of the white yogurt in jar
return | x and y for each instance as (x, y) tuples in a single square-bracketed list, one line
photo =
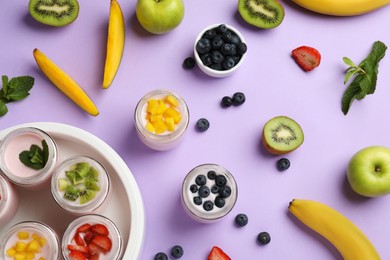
[(9, 201)]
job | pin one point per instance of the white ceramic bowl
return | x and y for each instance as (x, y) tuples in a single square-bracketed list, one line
[(209, 71)]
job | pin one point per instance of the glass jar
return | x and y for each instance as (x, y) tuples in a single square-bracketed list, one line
[(81, 185), (9, 201), (21, 140), (167, 139), (209, 192), (30, 236), (83, 227)]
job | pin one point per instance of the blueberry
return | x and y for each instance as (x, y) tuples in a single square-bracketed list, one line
[(216, 42), (226, 48), (161, 256), (226, 101), (235, 39), (220, 180), (211, 175), (219, 202), (233, 50), (204, 191), (228, 63), (217, 57), (241, 220), (202, 124), (283, 164), (222, 28), (216, 66), (263, 238), (189, 63), (238, 98), (208, 205), (194, 188), (227, 37), (203, 46), (197, 200), (209, 34), (214, 189), (200, 180), (206, 59), (225, 192), (177, 252), (241, 48), (236, 58)]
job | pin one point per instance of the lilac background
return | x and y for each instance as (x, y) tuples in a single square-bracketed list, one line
[(274, 85)]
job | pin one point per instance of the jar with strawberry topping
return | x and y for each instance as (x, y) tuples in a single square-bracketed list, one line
[(92, 237)]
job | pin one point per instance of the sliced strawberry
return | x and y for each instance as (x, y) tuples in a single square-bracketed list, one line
[(82, 249), (83, 228), (88, 237), (94, 249), (78, 239), (217, 254), (77, 255), (94, 257), (100, 229), (103, 241), (306, 57)]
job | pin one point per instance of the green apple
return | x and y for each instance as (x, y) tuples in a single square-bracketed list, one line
[(368, 171), (159, 16)]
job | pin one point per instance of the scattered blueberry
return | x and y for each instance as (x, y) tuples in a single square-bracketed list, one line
[(220, 180), (263, 238), (194, 188), (189, 63), (219, 202), (202, 124), (214, 189), (211, 175), (197, 200), (283, 164), (208, 205), (226, 101), (238, 98), (225, 192), (177, 251), (228, 63), (200, 180), (241, 220), (204, 191), (203, 45), (161, 256)]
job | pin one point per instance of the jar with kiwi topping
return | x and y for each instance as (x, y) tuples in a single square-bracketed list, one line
[(81, 185)]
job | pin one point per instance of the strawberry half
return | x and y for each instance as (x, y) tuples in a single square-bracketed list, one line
[(217, 254), (103, 241), (82, 249), (306, 57), (100, 229), (83, 228), (77, 255), (79, 240)]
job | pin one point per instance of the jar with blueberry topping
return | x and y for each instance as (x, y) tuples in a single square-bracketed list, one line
[(209, 192)]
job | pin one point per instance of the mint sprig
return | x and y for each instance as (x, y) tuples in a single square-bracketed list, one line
[(14, 90), (35, 158), (366, 74)]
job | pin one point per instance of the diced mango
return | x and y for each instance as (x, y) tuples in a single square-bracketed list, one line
[(170, 123), (41, 258), (150, 127), (162, 107), (30, 255), (23, 235), (177, 119), (19, 256), (171, 112), (20, 246), (11, 251), (152, 107), (170, 99), (154, 118), (159, 127), (33, 246), (42, 241)]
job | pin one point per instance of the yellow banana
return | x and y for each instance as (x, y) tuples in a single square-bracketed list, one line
[(115, 43), (339, 230), (342, 7), (65, 83)]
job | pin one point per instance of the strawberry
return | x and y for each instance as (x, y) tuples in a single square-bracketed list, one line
[(82, 249), (100, 229), (77, 255), (103, 241), (83, 228), (94, 249), (88, 237), (306, 57), (78, 239), (217, 254), (94, 257)]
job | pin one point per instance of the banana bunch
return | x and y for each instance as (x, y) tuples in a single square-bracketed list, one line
[(339, 230), (64, 83), (342, 7), (115, 43)]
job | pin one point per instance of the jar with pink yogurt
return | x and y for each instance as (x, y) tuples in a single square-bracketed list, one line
[(9, 201)]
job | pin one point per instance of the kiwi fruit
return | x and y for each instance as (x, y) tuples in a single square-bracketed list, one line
[(54, 12), (266, 14), (71, 193), (86, 196), (81, 168), (282, 135)]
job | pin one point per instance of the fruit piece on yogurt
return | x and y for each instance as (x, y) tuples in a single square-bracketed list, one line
[(28, 246), (218, 254)]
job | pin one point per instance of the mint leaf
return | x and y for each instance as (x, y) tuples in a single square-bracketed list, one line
[(45, 152), (4, 80), (35, 157), (3, 108), (21, 84), (365, 82), (16, 96)]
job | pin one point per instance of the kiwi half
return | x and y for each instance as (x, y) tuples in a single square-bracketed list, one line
[(265, 14), (54, 12), (282, 135)]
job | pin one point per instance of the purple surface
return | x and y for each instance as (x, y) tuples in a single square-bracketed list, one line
[(274, 85)]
